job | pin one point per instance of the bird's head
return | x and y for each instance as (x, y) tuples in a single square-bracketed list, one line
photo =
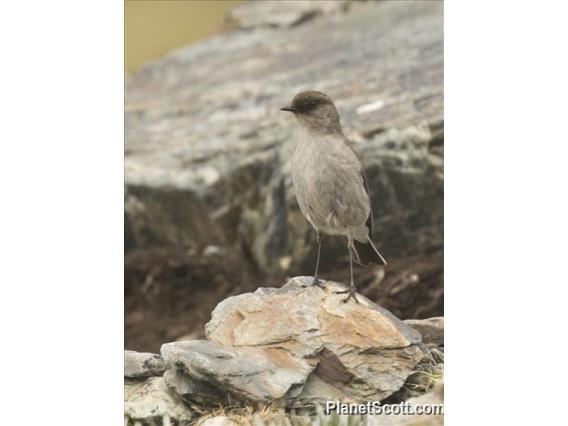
[(315, 111)]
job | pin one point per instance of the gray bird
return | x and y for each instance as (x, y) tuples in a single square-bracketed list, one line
[(329, 181)]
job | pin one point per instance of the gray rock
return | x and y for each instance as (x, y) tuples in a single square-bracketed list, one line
[(207, 149), (219, 421), (192, 391), (437, 354), (141, 364), (282, 13), (213, 251), (242, 373), (148, 402), (431, 329), (298, 344)]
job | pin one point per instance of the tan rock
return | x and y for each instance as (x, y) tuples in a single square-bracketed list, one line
[(301, 343)]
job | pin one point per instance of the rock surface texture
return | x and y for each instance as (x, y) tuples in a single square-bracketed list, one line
[(150, 402), (140, 364), (298, 345), (431, 329), (207, 149), (293, 347)]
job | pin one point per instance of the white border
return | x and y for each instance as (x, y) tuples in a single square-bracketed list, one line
[(61, 174), (505, 212)]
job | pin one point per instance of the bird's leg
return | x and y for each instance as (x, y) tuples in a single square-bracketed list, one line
[(316, 281), (352, 289)]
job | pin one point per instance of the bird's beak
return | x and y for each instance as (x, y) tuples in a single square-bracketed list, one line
[(288, 108)]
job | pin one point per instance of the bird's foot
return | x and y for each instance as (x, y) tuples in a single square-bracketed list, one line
[(318, 283), (351, 293)]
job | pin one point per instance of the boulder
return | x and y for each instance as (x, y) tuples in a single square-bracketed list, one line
[(148, 402), (298, 345), (207, 149), (431, 329), (142, 364)]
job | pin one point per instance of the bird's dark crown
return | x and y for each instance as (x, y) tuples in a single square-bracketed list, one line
[(307, 101)]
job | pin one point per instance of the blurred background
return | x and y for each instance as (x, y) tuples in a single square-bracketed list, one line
[(154, 28), (210, 210)]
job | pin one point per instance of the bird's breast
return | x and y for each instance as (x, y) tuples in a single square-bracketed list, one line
[(328, 184)]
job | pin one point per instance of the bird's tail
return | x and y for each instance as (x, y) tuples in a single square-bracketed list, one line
[(367, 253)]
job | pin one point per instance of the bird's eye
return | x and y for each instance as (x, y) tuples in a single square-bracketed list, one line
[(310, 105)]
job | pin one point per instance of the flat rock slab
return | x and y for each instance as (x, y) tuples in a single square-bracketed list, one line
[(243, 374), (142, 364), (193, 391), (299, 345)]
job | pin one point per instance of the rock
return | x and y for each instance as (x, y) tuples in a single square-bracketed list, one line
[(431, 329), (207, 149), (192, 391), (282, 13), (213, 251), (243, 374), (437, 354), (219, 421), (149, 402), (139, 364), (299, 345)]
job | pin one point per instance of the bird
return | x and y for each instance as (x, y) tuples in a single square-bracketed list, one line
[(330, 183)]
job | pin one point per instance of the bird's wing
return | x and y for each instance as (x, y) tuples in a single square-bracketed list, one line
[(366, 253), (369, 221)]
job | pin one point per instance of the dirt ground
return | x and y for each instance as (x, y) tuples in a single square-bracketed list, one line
[(169, 294)]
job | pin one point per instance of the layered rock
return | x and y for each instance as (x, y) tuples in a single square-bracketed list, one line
[(142, 364), (245, 375), (298, 345), (207, 148), (293, 347), (150, 402)]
